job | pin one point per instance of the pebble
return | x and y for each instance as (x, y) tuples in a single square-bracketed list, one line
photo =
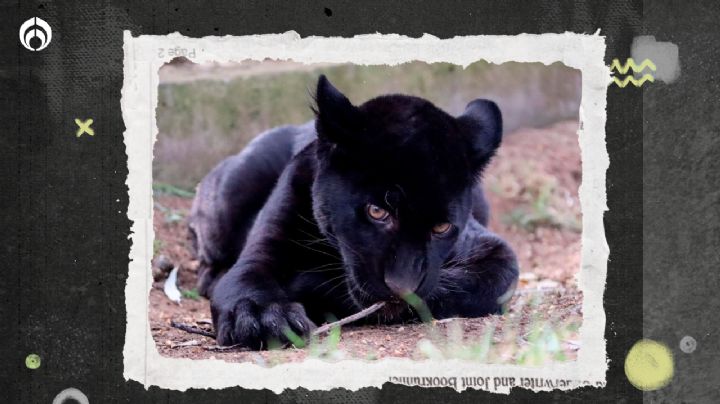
[(547, 284), (163, 263), (161, 268)]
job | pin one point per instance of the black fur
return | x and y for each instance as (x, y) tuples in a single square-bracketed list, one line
[(287, 219)]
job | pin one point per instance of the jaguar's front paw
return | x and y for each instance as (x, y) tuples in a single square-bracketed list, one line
[(248, 324)]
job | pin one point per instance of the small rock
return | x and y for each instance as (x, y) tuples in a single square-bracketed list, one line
[(164, 263), (548, 284), (162, 267), (193, 265), (158, 275)]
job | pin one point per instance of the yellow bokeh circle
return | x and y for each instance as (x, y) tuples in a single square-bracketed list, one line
[(649, 365), (32, 361)]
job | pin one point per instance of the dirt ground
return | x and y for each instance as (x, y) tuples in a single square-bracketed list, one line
[(532, 186)]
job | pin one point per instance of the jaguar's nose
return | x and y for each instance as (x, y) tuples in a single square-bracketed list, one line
[(402, 286)]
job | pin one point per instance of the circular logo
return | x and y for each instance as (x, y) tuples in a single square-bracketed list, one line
[(35, 34)]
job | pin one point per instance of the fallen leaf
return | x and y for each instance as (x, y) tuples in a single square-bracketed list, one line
[(170, 288)]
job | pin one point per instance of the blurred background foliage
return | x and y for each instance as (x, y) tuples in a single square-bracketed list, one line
[(213, 114)]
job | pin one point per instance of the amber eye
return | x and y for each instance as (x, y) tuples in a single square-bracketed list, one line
[(441, 228), (377, 213)]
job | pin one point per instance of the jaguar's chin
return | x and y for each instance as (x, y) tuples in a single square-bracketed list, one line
[(393, 311)]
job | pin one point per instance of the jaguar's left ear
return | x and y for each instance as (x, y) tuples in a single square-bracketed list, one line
[(336, 118), (481, 123)]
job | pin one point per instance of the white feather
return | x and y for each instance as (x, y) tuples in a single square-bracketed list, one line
[(170, 288)]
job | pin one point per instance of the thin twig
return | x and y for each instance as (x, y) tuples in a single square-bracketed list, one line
[(219, 348), (192, 329), (325, 328), (192, 342), (447, 320), (349, 319)]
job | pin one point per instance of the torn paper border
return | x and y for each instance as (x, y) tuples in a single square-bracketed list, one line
[(144, 57)]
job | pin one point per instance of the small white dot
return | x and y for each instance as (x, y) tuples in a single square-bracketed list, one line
[(688, 344)]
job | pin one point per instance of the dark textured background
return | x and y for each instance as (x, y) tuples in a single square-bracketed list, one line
[(681, 200), (65, 241)]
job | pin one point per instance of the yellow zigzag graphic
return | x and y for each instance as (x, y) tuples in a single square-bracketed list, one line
[(630, 79), (630, 64)]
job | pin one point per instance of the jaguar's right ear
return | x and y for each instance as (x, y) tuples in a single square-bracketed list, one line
[(336, 118), (482, 124)]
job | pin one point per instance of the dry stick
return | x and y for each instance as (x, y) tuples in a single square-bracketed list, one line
[(218, 348), (349, 319), (325, 328), (192, 329)]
